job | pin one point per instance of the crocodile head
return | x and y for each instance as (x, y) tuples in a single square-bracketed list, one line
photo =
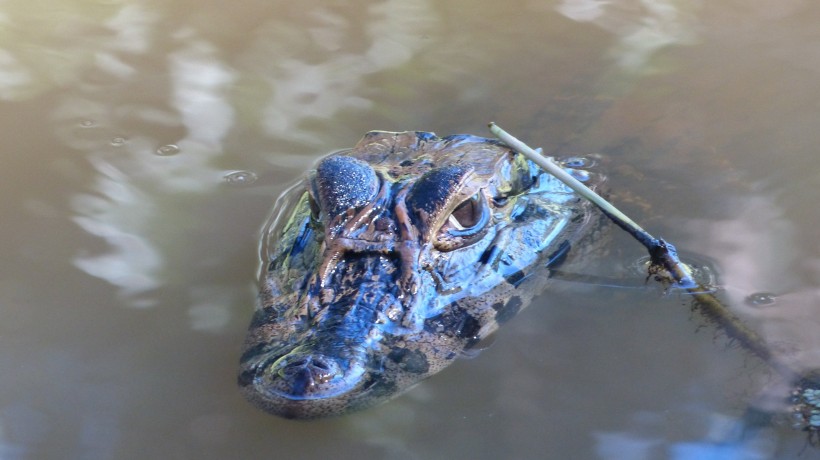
[(391, 259)]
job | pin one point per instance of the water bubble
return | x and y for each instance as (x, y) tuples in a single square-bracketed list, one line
[(168, 150), (761, 299), (118, 141), (579, 174), (240, 178), (87, 124), (578, 162)]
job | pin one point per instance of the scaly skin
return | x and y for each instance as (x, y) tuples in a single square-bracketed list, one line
[(392, 259)]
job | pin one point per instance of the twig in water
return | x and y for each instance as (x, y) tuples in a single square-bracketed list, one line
[(665, 263)]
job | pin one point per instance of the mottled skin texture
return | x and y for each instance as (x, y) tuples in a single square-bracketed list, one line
[(391, 259)]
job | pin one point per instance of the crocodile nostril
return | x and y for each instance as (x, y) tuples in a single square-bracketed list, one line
[(321, 364), (304, 372), (296, 363)]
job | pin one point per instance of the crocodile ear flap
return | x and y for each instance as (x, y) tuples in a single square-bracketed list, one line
[(526, 174), (516, 176)]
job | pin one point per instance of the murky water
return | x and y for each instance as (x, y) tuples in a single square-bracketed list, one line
[(145, 141)]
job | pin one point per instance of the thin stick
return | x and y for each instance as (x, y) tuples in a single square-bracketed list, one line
[(663, 255), (573, 183)]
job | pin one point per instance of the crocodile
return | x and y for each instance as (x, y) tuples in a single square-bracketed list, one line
[(391, 259)]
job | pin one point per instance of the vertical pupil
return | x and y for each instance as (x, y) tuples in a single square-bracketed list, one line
[(467, 213)]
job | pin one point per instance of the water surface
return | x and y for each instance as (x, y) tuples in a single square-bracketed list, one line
[(145, 142)]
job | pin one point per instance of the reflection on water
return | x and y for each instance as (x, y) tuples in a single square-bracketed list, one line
[(145, 142), (307, 88), (642, 26), (200, 105), (758, 254), (726, 437), (123, 208)]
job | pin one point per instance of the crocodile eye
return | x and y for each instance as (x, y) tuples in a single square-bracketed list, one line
[(467, 214), (466, 224), (449, 207)]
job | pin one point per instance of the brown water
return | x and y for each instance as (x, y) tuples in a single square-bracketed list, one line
[(145, 141)]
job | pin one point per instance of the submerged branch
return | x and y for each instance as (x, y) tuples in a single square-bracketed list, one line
[(666, 265)]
